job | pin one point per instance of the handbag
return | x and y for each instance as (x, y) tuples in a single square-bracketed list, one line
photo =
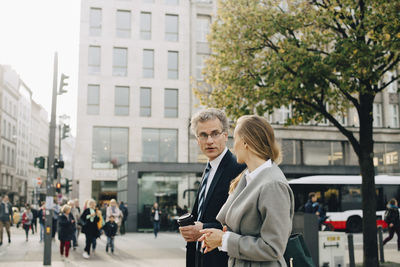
[(296, 253)]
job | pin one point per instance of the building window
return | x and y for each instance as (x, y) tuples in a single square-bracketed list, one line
[(159, 145), (145, 102), (148, 1), (394, 112), (121, 100), (173, 63), (145, 25), (323, 153), (120, 61), (284, 113), (171, 103), (110, 147), (202, 28), (200, 64), (392, 88), (123, 23), (93, 99), (148, 63), (94, 59), (171, 28), (4, 129), (291, 152), (377, 113), (3, 153), (95, 21), (172, 2)]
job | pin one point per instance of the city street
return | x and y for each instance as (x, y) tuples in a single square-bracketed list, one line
[(132, 249)]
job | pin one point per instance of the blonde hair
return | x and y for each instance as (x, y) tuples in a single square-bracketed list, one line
[(89, 202), (259, 135), (65, 208)]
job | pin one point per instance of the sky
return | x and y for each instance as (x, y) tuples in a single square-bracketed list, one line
[(31, 32)]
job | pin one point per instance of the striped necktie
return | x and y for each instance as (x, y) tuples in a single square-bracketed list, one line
[(202, 194)]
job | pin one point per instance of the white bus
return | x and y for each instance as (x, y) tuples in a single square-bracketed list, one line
[(340, 196)]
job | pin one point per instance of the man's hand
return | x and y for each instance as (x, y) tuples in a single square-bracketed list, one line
[(391, 225), (191, 232)]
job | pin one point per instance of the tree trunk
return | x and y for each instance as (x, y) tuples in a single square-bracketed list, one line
[(368, 192)]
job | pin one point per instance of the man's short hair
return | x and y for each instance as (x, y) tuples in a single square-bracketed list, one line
[(209, 114), (311, 195)]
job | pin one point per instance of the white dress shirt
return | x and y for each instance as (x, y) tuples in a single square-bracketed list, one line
[(214, 166)]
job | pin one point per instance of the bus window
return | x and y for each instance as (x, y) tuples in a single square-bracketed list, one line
[(351, 197), (331, 197)]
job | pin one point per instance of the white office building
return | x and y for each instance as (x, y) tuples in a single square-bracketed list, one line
[(138, 62)]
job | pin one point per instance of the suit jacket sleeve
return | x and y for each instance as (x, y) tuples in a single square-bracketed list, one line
[(274, 207)]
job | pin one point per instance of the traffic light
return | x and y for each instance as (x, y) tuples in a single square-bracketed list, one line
[(39, 162), (63, 83), (65, 131), (68, 186), (58, 164), (58, 187)]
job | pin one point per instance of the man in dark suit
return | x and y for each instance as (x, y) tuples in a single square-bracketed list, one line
[(210, 127)]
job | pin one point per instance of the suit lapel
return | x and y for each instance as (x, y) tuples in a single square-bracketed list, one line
[(216, 178)]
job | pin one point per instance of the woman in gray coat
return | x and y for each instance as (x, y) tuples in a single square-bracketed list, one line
[(258, 213)]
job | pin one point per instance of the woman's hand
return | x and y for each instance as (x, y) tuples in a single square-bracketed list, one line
[(211, 238)]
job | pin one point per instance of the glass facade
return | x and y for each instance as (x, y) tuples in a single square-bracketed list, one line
[(159, 145), (110, 147), (174, 192)]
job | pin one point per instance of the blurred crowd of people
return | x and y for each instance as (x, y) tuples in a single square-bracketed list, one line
[(68, 221)]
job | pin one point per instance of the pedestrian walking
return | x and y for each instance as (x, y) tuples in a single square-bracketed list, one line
[(393, 220), (6, 217), (65, 229), (210, 127), (35, 214), (124, 209), (78, 225), (258, 214), (114, 210), (312, 206), (27, 218), (75, 215), (42, 220), (89, 220), (110, 230), (56, 213), (156, 217)]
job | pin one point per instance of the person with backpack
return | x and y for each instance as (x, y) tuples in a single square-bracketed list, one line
[(393, 220)]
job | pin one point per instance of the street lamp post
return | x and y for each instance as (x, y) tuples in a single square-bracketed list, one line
[(51, 168)]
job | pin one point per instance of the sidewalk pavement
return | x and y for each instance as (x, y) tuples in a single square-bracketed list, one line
[(131, 249)]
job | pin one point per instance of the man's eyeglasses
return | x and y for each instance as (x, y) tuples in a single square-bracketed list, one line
[(213, 135)]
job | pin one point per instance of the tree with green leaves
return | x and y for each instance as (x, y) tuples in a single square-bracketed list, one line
[(322, 57)]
